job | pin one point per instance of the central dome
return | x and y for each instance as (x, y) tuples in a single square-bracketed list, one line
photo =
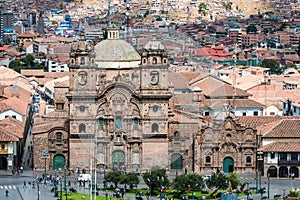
[(116, 53)]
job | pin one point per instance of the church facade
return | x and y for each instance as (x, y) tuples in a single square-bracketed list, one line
[(118, 111), (119, 105)]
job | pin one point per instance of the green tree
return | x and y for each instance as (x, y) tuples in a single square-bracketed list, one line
[(273, 65), (251, 29), (155, 178), (130, 179), (234, 180), (185, 182), (28, 61), (218, 180), (113, 177), (15, 65), (227, 5), (202, 8), (291, 65)]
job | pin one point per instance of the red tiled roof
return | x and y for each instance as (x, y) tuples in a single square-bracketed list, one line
[(286, 128), (291, 146)]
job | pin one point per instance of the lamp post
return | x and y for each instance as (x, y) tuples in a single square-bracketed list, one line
[(55, 187), (193, 186), (268, 185), (45, 155), (256, 181), (247, 182), (160, 179), (65, 182), (60, 181), (38, 186)]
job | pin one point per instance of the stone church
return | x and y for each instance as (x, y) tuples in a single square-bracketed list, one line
[(118, 111)]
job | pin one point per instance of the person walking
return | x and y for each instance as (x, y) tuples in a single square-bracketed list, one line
[(24, 185)]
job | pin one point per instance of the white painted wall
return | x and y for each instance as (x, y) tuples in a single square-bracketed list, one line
[(11, 113)]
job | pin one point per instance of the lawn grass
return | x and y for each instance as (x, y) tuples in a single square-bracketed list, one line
[(79, 196)]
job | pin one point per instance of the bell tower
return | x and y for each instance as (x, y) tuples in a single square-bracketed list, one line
[(155, 95)]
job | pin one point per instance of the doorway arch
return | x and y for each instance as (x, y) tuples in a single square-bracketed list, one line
[(283, 172), (228, 165), (59, 161), (3, 163), (272, 171), (176, 161), (294, 170)]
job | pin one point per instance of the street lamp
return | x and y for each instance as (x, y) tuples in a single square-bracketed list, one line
[(65, 183), (55, 187), (193, 176), (60, 181), (45, 155), (268, 185), (247, 182), (38, 186), (160, 179)]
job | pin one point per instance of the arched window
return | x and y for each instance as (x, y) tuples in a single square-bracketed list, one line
[(59, 137), (81, 128), (207, 159), (144, 60), (165, 61), (248, 159), (135, 121), (154, 128), (154, 60), (176, 136), (82, 61)]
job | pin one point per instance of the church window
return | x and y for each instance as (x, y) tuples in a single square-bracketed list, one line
[(118, 122), (154, 61), (82, 108), (59, 106), (176, 136), (93, 61), (81, 128), (248, 159), (165, 61), (155, 108), (207, 159), (135, 121), (73, 61), (154, 128), (82, 61), (58, 137), (144, 60), (100, 121)]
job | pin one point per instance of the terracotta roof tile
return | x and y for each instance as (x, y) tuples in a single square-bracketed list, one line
[(14, 126), (5, 136), (281, 147), (286, 128)]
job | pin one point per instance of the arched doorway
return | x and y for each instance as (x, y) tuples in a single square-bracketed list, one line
[(228, 165), (283, 172), (59, 162), (118, 160), (294, 170), (176, 161), (272, 171), (3, 163)]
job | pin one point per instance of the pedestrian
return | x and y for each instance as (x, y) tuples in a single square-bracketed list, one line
[(24, 186), (75, 181), (69, 183)]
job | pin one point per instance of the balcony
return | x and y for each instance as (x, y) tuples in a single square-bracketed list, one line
[(288, 162)]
